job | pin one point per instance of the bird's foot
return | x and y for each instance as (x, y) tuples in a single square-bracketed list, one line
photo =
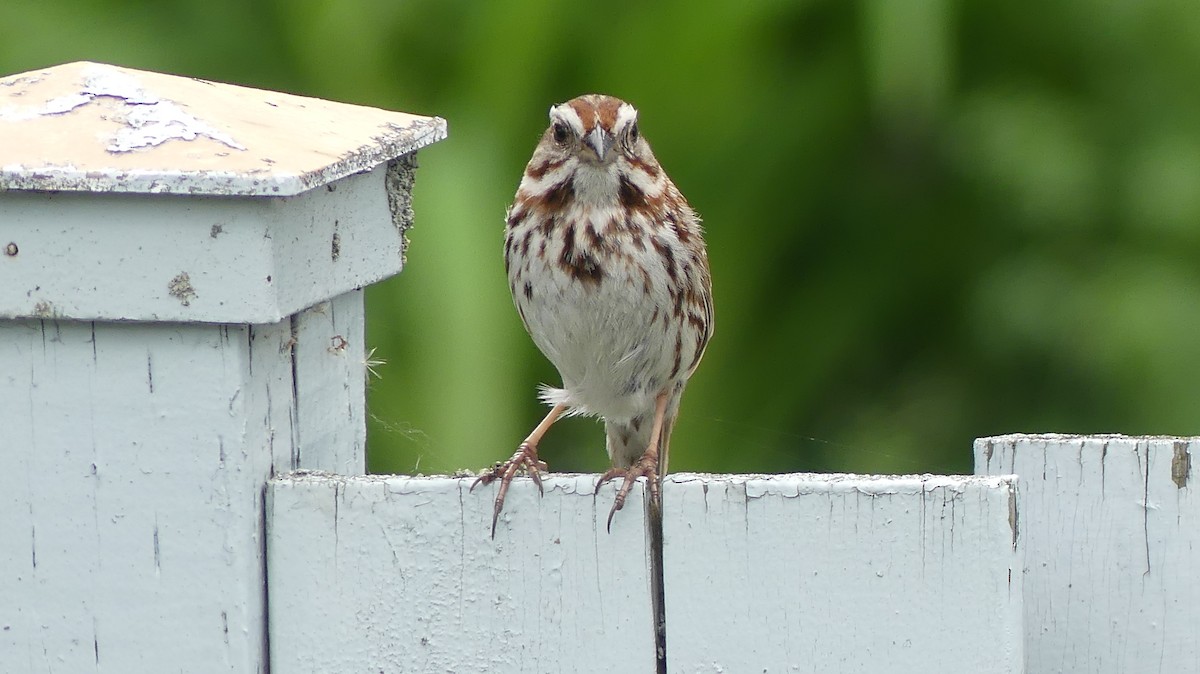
[(646, 467), (524, 460)]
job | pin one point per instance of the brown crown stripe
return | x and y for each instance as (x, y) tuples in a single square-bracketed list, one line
[(594, 109)]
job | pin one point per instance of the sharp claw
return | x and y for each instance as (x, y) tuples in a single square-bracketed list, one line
[(642, 468), (524, 458), (495, 517), (532, 469)]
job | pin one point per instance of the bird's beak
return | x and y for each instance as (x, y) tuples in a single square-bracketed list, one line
[(600, 142)]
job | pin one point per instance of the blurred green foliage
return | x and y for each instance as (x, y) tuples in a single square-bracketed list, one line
[(928, 220)]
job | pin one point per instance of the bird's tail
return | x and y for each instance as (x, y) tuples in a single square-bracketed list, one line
[(628, 440)]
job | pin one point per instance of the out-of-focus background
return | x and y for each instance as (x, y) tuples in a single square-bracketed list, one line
[(928, 220)]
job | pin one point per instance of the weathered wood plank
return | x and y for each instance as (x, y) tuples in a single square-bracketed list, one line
[(129, 508), (400, 574), (1111, 526), (840, 573)]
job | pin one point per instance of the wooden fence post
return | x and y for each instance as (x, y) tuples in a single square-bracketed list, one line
[(1111, 526), (180, 318)]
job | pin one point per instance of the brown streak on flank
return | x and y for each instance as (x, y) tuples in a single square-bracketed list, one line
[(568, 247), (517, 215), (697, 321), (648, 286), (682, 232), (525, 240), (701, 342), (635, 234), (654, 316), (528, 290), (677, 362), (542, 248), (668, 258)]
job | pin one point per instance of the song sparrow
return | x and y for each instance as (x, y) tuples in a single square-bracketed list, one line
[(607, 267)]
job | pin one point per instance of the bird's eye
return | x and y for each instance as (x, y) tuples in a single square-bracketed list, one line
[(633, 133), (561, 132)]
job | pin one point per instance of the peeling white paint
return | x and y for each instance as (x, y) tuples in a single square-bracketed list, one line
[(101, 80), (150, 125)]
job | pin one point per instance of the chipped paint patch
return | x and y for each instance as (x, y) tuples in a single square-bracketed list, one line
[(181, 289), (398, 182), (1181, 465), (158, 123), (148, 120), (1014, 518)]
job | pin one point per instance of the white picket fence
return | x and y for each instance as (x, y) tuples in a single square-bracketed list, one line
[(181, 354), (817, 573)]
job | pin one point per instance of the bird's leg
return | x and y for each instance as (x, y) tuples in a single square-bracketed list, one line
[(646, 466), (524, 459)]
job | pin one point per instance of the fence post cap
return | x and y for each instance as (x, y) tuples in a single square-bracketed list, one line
[(129, 195), (93, 127)]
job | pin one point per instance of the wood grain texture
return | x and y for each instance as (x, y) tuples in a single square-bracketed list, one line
[(841, 573), (399, 574), (1111, 526)]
